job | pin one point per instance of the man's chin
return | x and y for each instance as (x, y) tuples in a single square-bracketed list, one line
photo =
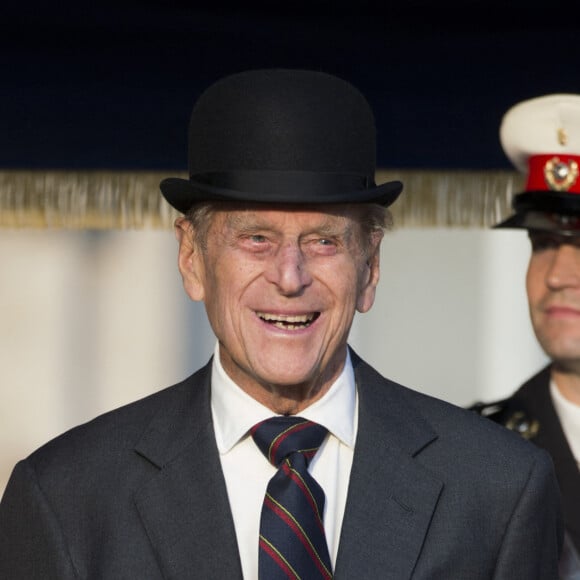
[(288, 382), (564, 352), (566, 363)]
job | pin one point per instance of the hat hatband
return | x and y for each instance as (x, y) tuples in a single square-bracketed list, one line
[(278, 187)]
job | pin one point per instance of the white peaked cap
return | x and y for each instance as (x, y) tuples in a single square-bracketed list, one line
[(544, 125)]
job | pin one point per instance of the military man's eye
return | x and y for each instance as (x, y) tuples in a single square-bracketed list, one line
[(540, 243)]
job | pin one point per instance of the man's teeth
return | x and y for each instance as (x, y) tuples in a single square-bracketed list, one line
[(287, 322), (286, 318)]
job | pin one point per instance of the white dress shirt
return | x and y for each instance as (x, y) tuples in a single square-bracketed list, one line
[(569, 415), (247, 471)]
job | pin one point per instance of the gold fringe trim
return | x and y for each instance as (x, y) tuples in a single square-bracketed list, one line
[(83, 199), (452, 198), (131, 199)]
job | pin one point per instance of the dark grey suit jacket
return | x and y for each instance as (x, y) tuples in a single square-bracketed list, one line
[(436, 492), (532, 405)]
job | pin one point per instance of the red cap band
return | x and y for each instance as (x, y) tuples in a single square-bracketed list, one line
[(556, 172)]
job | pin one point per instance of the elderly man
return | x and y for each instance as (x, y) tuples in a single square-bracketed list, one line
[(541, 137), (286, 456)]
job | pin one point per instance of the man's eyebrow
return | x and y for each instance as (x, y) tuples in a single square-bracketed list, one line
[(245, 222), (333, 229), (336, 227)]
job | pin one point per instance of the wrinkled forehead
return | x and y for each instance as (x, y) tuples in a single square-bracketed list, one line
[(325, 217)]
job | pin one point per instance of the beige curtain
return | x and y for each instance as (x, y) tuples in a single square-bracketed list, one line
[(131, 199)]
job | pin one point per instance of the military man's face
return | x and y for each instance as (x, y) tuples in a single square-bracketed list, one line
[(281, 287), (553, 287)]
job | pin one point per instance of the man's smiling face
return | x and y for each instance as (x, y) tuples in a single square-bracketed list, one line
[(281, 287), (553, 288)]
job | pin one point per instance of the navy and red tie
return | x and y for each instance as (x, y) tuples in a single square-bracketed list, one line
[(292, 539)]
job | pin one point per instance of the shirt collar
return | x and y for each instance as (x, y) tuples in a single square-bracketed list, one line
[(235, 412)]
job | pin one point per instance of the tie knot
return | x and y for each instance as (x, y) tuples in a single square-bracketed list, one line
[(279, 437)]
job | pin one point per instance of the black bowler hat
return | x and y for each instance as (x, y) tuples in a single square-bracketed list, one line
[(281, 136)]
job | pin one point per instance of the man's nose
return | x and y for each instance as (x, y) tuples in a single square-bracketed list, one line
[(564, 270), (288, 270)]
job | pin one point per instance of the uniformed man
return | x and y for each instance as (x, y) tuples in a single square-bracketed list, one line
[(541, 137)]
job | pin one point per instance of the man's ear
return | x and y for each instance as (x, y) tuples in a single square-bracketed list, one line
[(370, 278), (190, 260)]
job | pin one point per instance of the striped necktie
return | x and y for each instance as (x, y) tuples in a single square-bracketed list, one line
[(292, 540)]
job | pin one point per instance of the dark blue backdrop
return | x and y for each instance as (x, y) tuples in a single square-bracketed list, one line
[(111, 84)]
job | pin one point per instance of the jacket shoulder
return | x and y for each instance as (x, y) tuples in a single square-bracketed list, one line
[(516, 412), (116, 432)]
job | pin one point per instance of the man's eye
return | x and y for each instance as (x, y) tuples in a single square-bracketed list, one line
[(322, 246), (542, 243), (258, 238)]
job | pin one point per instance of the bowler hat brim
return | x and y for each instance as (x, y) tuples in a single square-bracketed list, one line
[(277, 187)]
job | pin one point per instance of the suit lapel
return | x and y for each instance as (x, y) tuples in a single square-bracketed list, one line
[(184, 507), (391, 497)]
